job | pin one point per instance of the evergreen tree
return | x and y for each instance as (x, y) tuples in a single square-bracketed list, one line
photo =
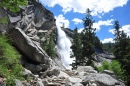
[(108, 47), (76, 48), (122, 51), (49, 46), (51, 52), (84, 43), (97, 43), (119, 37), (117, 30), (88, 39), (13, 5)]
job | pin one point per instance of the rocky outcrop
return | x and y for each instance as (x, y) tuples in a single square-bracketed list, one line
[(28, 29), (69, 32), (83, 77), (102, 79), (28, 47)]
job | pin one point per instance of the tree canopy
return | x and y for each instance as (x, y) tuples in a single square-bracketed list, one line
[(13, 5)]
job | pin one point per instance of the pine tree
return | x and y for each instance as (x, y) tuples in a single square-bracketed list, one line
[(76, 48), (88, 39), (122, 51), (119, 36), (50, 50), (97, 43), (84, 43), (117, 30), (49, 46)]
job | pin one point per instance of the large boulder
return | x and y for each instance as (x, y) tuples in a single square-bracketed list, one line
[(102, 80), (53, 71), (18, 82), (87, 69), (28, 47), (63, 75), (108, 72), (74, 80)]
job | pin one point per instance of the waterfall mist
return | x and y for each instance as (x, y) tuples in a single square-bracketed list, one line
[(64, 44)]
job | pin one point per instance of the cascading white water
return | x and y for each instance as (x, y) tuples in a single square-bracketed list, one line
[(64, 44)]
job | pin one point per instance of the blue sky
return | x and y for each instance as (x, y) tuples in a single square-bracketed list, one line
[(71, 13)]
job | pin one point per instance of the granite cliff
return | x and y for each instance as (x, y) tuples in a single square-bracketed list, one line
[(28, 30)]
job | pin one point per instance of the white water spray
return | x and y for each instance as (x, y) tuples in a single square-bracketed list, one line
[(64, 44)]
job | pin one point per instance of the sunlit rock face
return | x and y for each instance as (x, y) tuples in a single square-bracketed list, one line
[(64, 44)]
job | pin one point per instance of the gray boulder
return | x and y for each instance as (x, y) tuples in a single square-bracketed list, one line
[(33, 68), (74, 80), (14, 19), (87, 69), (108, 72), (18, 82), (53, 71), (27, 72), (28, 47), (39, 82), (102, 79), (77, 84), (63, 74)]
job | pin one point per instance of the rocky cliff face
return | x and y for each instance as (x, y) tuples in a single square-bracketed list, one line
[(28, 29)]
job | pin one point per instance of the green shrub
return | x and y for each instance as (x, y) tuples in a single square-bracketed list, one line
[(10, 67), (116, 68), (49, 46), (4, 20), (100, 68), (106, 65), (13, 5), (113, 66)]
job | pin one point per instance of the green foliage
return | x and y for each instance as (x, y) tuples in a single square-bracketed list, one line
[(114, 66), (97, 43), (84, 43), (10, 67), (109, 47), (106, 65), (122, 50), (88, 35), (13, 5), (49, 46), (4, 20), (117, 30), (76, 48)]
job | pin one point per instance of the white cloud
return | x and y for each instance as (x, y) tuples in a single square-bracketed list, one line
[(60, 19), (111, 31), (125, 28), (107, 40), (80, 6), (102, 23), (77, 21), (79, 30)]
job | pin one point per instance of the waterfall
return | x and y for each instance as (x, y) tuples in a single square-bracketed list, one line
[(64, 44)]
